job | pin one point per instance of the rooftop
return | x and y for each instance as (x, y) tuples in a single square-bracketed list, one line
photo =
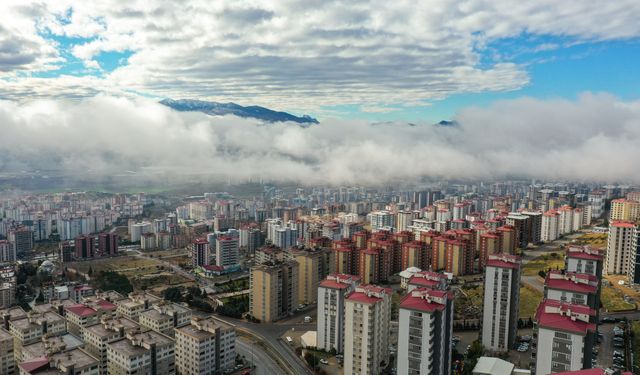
[(565, 317), (504, 261), (571, 281), (426, 300)]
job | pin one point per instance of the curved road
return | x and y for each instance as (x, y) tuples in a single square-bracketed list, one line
[(254, 353)]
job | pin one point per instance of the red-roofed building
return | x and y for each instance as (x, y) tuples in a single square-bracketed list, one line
[(592, 371), (367, 317), (572, 287), (428, 280), (332, 293), (584, 259), (425, 332), (564, 336)]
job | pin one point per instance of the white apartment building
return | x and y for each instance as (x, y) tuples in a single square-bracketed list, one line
[(501, 302), (571, 287), (332, 293), (227, 251), (205, 347), (366, 342), (621, 249), (563, 338), (584, 259), (550, 226), (404, 220), (424, 332), (381, 220)]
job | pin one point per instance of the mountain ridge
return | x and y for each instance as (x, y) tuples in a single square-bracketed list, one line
[(221, 109)]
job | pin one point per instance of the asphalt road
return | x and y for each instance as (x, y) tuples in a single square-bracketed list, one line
[(254, 353)]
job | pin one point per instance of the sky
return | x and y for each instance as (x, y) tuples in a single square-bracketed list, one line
[(364, 68)]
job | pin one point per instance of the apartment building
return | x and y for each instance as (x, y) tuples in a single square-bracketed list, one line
[(425, 332), (7, 357), (84, 315), (205, 347), (274, 290), (141, 353), (76, 361), (571, 287), (164, 316), (621, 249), (33, 327), (98, 336), (501, 302), (584, 259), (428, 280), (366, 342), (332, 293), (135, 303), (313, 267), (563, 338)]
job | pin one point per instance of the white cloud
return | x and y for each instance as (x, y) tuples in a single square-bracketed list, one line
[(296, 53), (556, 139)]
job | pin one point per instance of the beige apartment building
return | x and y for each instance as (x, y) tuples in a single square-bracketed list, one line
[(164, 316), (313, 267), (205, 347), (366, 340), (274, 290), (98, 336), (141, 353)]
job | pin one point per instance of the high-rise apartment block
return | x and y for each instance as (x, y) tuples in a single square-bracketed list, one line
[(501, 302), (622, 249), (366, 342), (227, 251), (200, 253), (332, 293), (274, 290), (425, 332), (624, 209), (564, 336)]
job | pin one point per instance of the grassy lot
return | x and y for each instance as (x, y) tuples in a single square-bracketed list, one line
[(529, 300), (468, 303), (621, 290), (612, 299), (594, 239), (543, 263), (146, 273)]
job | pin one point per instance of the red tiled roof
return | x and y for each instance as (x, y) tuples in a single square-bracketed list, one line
[(80, 310), (562, 321), (333, 284), (623, 224), (425, 300), (106, 305), (567, 281), (591, 371), (422, 281), (34, 364)]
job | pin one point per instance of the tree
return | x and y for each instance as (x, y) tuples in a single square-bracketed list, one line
[(40, 298), (542, 274), (90, 272), (173, 294), (111, 280)]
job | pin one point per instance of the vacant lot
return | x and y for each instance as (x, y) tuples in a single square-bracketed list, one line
[(594, 239), (543, 263), (529, 300), (143, 273)]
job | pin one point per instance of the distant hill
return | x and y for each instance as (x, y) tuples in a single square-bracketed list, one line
[(221, 109)]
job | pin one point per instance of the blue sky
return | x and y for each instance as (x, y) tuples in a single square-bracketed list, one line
[(565, 72)]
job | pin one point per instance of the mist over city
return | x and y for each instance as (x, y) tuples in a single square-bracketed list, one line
[(295, 187)]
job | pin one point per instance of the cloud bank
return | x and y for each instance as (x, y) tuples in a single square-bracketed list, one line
[(593, 138), (307, 54)]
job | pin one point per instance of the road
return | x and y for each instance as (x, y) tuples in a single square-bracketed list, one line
[(270, 334), (254, 353), (605, 351)]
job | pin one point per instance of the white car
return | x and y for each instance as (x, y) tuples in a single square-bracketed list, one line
[(324, 361)]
